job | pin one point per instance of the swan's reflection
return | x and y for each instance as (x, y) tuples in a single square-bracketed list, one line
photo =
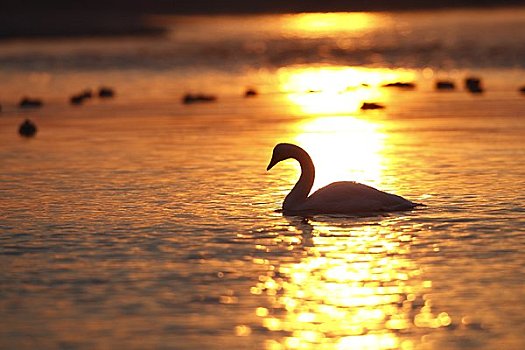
[(353, 287)]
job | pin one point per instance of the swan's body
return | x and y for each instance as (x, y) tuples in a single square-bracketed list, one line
[(345, 197)]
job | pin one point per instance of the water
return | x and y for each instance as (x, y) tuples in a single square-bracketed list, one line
[(141, 223)]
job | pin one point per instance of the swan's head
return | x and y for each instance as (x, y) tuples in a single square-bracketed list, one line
[(283, 151)]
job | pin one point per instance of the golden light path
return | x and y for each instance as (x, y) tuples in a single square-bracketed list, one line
[(337, 90), (343, 148), (342, 143), (352, 285), (355, 288)]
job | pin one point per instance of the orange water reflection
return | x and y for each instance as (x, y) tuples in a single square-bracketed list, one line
[(321, 23), (344, 142), (337, 90), (349, 283), (354, 288), (343, 148)]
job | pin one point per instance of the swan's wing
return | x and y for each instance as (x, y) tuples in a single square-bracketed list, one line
[(345, 190), (348, 196)]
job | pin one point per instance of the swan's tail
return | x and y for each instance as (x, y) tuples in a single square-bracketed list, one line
[(403, 206)]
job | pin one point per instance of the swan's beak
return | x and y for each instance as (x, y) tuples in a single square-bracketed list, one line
[(272, 163)]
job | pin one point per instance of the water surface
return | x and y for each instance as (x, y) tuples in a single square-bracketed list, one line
[(141, 223)]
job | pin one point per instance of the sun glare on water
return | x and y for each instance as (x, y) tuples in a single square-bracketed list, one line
[(354, 288), (345, 144), (336, 90), (343, 148)]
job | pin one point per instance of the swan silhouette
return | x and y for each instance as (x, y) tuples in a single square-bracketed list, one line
[(343, 197)]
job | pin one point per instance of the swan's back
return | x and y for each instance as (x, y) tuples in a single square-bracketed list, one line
[(352, 197)]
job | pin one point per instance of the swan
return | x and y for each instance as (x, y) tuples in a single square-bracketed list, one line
[(343, 197)]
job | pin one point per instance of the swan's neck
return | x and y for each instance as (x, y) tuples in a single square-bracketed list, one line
[(302, 188)]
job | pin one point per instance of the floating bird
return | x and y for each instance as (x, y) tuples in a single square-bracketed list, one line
[(344, 197), (473, 85), (371, 105), (250, 93), (445, 85), (190, 98), (76, 99), (399, 84), (27, 128), (28, 102), (79, 98), (106, 92)]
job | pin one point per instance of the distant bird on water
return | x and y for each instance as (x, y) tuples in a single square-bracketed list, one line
[(344, 197), (197, 98), (79, 98), (401, 84), (28, 102), (250, 93), (371, 105), (473, 85), (445, 85), (27, 128), (106, 92)]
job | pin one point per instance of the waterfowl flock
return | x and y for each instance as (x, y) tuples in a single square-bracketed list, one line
[(472, 84), (103, 93)]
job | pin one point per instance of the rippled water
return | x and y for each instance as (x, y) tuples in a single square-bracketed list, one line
[(160, 231), (141, 223)]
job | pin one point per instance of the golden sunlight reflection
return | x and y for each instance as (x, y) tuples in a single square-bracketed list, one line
[(343, 148), (353, 22), (355, 287), (336, 90)]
